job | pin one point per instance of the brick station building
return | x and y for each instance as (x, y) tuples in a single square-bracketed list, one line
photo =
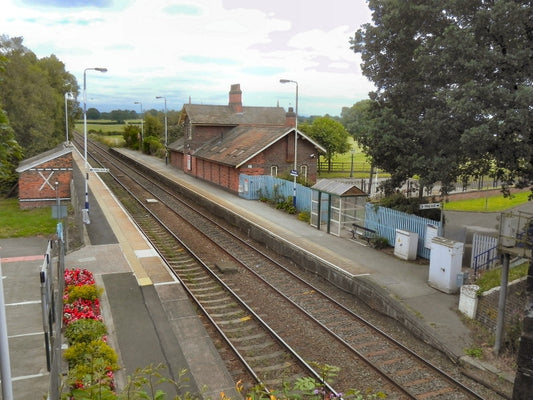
[(221, 142), (43, 177)]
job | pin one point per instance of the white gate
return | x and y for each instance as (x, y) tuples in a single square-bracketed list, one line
[(484, 252)]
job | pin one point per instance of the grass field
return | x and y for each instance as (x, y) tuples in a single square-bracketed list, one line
[(488, 204), (104, 128), (15, 222)]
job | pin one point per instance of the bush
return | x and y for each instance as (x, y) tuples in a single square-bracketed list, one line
[(86, 354), (131, 136), (304, 216), (379, 242), (85, 331), (151, 145), (85, 292)]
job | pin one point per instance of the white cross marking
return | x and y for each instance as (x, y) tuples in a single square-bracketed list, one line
[(46, 180)]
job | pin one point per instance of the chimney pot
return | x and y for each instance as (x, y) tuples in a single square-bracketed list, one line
[(235, 98), (290, 118)]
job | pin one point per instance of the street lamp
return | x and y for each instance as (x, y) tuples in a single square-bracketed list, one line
[(294, 172), (68, 96), (166, 128), (5, 365), (142, 122), (85, 211), (351, 169)]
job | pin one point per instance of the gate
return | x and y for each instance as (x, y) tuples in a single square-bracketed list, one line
[(484, 252)]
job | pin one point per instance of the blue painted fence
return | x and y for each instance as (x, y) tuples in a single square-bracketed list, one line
[(385, 221), (254, 187)]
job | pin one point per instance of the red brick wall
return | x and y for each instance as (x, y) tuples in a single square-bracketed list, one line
[(280, 154), (34, 192)]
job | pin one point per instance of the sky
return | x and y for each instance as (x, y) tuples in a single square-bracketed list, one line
[(194, 50)]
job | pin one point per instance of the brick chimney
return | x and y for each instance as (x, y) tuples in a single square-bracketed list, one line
[(290, 118), (235, 98)]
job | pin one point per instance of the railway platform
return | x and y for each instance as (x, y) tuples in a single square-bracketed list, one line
[(148, 314), (405, 282)]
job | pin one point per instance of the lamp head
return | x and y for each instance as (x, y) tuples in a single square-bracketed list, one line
[(101, 69), (159, 97), (284, 81)]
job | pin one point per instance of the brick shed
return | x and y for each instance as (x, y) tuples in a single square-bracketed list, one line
[(38, 176)]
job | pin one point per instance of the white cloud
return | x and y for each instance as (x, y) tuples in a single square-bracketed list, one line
[(183, 48)]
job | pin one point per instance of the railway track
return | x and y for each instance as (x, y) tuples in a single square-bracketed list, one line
[(289, 309)]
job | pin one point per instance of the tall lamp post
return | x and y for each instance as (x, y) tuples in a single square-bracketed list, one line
[(5, 365), (68, 96), (142, 122), (166, 128), (85, 211), (294, 172), (351, 168)]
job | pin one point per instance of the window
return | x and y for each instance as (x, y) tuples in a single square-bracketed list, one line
[(303, 172), (274, 170)]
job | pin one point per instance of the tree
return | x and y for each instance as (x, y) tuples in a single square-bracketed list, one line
[(330, 134), (454, 91), (153, 126), (356, 119), (10, 155), (93, 113), (120, 116), (132, 136), (453, 87), (32, 94)]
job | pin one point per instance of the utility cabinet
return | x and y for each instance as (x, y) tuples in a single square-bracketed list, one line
[(445, 263), (406, 245)]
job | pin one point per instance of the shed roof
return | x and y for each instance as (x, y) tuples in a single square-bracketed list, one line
[(200, 114), (338, 188), (43, 157)]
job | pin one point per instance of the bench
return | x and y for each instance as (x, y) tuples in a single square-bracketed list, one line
[(359, 231)]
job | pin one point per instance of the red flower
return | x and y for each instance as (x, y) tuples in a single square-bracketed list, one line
[(78, 277)]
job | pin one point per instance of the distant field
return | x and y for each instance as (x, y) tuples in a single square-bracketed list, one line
[(104, 125), (104, 128)]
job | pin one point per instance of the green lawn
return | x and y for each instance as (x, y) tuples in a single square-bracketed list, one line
[(15, 222), (488, 204)]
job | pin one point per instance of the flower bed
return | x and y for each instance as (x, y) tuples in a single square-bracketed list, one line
[(90, 360)]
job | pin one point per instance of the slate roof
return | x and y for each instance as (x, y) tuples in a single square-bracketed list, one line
[(43, 157), (242, 143), (200, 114)]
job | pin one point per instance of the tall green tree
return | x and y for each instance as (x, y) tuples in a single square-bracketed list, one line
[(10, 151), (93, 113), (330, 134), (453, 87), (153, 126), (10, 155), (32, 93), (454, 91)]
